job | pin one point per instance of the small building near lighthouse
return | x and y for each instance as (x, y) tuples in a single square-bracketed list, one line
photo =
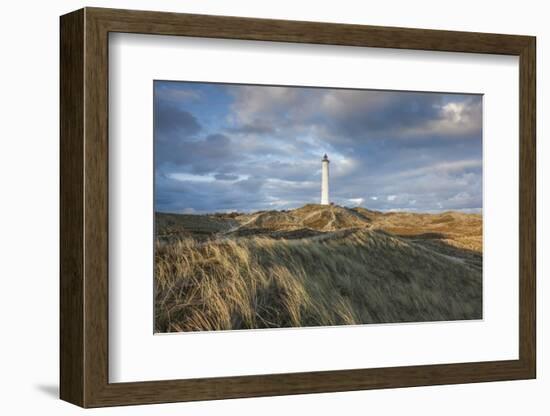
[(324, 181)]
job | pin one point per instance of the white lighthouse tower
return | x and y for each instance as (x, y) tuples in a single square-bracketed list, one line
[(324, 181)]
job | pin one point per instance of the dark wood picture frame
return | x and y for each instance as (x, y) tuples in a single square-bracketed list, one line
[(84, 207)]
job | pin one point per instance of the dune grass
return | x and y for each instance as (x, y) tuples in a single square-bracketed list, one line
[(342, 278)]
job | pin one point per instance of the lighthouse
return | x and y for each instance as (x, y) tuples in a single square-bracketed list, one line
[(324, 181)]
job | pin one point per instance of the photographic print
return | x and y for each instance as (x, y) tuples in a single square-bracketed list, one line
[(289, 206)]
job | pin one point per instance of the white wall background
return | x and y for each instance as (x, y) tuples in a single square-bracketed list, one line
[(29, 158)]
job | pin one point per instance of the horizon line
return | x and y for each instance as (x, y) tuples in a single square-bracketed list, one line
[(477, 210)]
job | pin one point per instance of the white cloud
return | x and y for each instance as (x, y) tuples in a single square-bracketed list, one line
[(356, 201), (339, 103), (456, 166), (342, 165), (282, 183), (178, 95), (460, 197), (455, 119), (392, 197), (251, 101)]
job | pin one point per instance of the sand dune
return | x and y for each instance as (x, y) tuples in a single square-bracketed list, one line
[(315, 265)]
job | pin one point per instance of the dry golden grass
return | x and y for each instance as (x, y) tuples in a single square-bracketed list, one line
[(349, 276), (457, 229), (463, 231)]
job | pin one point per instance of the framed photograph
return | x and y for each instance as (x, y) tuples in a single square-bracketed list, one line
[(254, 207)]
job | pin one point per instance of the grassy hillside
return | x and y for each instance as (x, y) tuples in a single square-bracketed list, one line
[(454, 228), (314, 266)]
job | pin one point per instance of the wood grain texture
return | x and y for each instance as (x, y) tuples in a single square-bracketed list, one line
[(225, 27), (71, 213), (528, 207), (84, 207), (96, 209)]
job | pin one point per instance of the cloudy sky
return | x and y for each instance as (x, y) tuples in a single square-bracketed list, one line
[(226, 147)]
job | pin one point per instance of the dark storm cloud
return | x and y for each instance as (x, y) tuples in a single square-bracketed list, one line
[(252, 128), (401, 114), (171, 120), (246, 148), (211, 153)]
